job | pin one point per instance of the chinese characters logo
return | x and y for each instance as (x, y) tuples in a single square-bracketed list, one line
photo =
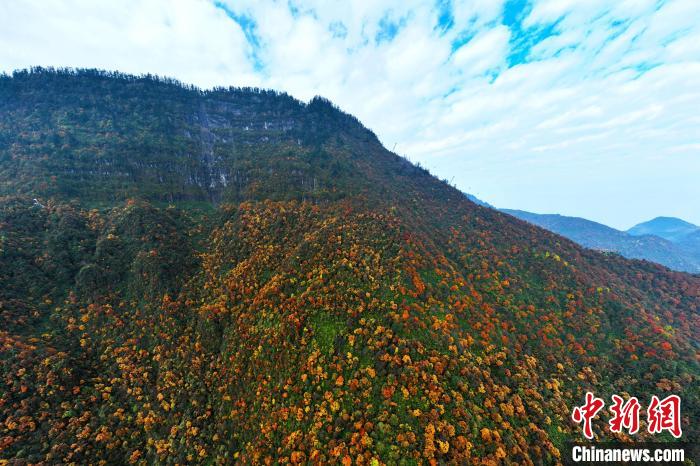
[(662, 415)]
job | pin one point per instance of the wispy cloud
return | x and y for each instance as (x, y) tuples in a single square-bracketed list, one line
[(584, 108)]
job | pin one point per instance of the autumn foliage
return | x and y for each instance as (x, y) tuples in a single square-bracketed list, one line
[(389, 323)]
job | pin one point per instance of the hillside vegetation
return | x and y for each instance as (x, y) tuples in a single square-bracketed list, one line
[(233, 275), (679, 254)]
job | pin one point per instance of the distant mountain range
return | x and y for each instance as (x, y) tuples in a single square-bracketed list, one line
[(670, 228), (668, 241), (664, 245), (691, 241), (478, 201)]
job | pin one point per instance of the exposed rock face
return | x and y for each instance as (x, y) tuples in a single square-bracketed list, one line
[(164, 142)]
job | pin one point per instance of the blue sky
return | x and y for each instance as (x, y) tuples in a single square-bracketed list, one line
[(586, 108)]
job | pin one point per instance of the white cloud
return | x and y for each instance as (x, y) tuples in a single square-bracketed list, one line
[(598, 119), (192, 41), (486, 51)]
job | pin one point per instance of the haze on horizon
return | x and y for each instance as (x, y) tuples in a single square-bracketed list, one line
[(550, 106)]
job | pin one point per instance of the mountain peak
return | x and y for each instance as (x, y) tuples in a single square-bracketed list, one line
[(105, 137), (682, 256), (670, 228)]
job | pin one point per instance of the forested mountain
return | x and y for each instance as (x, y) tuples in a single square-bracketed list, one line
[(691, 241), (675, 254), (670, 228), (233, 275)]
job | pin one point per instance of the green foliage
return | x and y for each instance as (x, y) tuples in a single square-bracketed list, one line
[(326, 329), (331, 304)]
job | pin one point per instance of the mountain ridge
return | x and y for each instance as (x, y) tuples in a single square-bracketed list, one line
[(670, 228), (675, 255), (193, 169)]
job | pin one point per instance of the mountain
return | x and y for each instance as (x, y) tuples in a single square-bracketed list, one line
[(670, 228), (691, 242), (598, 236), (210, 277), (176, 143), (478, 201)]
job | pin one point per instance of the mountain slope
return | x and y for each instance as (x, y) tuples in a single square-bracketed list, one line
[(601, 237), (670, 228), (691, 242), (164, 142), (478, 201), (329, 303)]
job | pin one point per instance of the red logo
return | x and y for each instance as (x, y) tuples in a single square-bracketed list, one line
[(587, 412), (661, 415), (625, 415), (665, 415)]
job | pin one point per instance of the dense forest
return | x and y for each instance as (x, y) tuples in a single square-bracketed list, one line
[(232, 275)]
